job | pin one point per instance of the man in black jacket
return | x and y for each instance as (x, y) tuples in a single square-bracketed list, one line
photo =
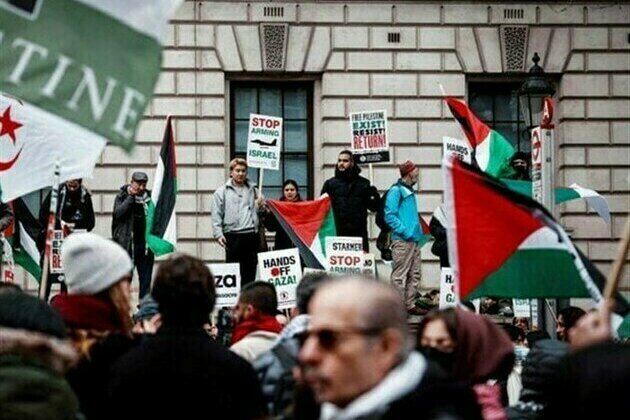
[(351, 196), (129, 226)]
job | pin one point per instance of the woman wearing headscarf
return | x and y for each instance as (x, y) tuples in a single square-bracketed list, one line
[(96, 312), (472, 349), (290, 193)]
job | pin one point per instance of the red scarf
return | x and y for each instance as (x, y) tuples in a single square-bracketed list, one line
[(87, 312), (257, 322)]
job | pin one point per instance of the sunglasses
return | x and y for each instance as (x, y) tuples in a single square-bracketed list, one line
[(328, 339)]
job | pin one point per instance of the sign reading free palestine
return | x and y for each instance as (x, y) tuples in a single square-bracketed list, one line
[(264, 139), (370, 143)]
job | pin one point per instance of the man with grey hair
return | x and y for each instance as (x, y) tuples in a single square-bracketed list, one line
[(358, 360)]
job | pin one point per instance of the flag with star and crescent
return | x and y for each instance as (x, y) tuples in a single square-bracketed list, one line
[(76, 75)]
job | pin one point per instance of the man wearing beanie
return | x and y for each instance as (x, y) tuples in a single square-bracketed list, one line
[(401, 214), (351, 196), (129, 225)]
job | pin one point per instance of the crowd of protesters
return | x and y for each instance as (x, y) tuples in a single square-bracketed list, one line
[(347, 351)]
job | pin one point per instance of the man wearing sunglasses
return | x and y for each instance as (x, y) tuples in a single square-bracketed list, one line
[(356, 357)]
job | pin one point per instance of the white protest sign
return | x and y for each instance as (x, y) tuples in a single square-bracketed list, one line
[(344, 254), (370, 143), (56, 266), (284, 271), (227, 282), (264, 138), (522, 308), (448, 292), (369, 265), (457, 148)]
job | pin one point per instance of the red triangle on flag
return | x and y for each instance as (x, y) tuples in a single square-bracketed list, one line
[(475, 129), (304, 217), (489, 227)]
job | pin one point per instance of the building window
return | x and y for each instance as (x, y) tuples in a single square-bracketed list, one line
[(498, 106), (292, 102)]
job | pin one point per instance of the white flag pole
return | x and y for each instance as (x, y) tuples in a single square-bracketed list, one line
[(44, 289)]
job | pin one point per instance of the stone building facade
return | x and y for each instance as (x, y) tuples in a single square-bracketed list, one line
[(368, 55)]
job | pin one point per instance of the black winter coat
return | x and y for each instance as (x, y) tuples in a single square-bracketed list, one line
[(351, 196), (123, 218), (74, 208), (539, 370), (182, 373)]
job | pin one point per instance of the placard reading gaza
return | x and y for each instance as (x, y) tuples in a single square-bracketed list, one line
[(227, 282), (264, 138), (448, 292), (457, 148), (344, 254), (369, 136), (284, 271)]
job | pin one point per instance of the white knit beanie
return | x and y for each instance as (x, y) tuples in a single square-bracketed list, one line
[(92, 263)]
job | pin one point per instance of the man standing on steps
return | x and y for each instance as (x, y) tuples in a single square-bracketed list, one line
[(351, 196), (235, 220), (401, 214), (129, 226)]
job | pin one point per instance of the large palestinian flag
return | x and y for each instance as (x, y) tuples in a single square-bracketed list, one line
[(161, 218), (22, 235), (76, 75), (562, 194), (504, 244), (491, 151), (307, 223)]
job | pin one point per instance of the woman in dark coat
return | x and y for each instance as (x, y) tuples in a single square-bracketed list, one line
[(290, 192)]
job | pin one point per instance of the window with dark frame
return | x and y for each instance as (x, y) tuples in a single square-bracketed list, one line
[(292, 102), (497, 104)]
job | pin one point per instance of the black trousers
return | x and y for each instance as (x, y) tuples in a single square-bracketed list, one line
[(143, 262), (242, 248)]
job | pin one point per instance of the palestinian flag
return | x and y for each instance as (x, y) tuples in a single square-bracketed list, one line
[(75, 76), (426, 233), (504, 244), (161, 219), (562, 194), (491, 150), (307, 223), (22, 235)]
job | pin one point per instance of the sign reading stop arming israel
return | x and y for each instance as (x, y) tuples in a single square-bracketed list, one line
[(344, 254), (284, 271), (227, 283), (370, 143), (264, 138)]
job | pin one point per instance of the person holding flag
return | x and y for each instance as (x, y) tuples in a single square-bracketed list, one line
[(129, 224)]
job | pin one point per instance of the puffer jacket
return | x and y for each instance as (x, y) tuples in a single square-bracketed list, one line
[(539, 369), (351, 197), (401, 213)]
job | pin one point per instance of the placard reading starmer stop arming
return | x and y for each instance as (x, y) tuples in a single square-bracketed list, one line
[(264, 139)]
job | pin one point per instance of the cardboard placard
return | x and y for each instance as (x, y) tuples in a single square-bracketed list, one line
[(448, 290), (56, 265), (264, 139), (522, 308), (369, 265), (457, 148), (344, 254), (284, 271), (227, 282), (370, 143)]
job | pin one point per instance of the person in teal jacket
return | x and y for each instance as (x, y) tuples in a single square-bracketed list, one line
[(401, 214)]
